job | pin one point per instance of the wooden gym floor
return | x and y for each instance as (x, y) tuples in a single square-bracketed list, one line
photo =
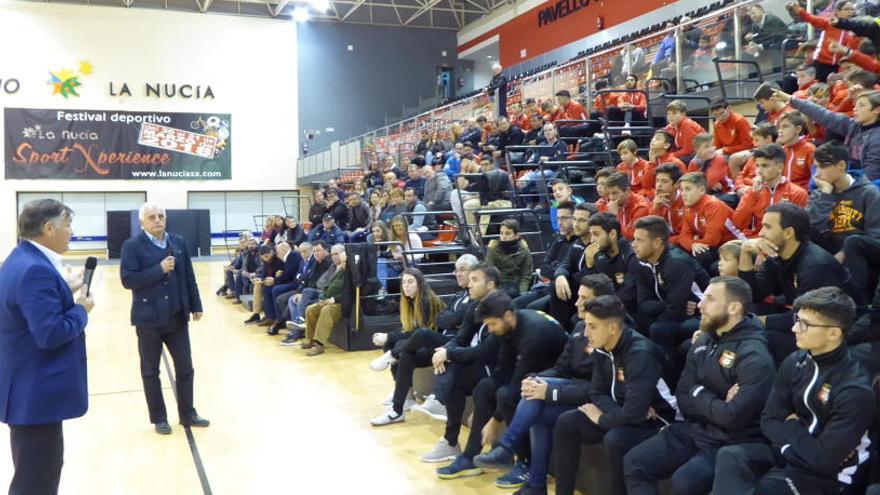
[(281, 423)]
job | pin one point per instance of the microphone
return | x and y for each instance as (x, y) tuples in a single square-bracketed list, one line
[(91, 263), (170, 253)]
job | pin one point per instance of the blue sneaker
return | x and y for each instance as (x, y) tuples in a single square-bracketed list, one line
[(531, 490), (460, 468), (517, 477), (500, 457)]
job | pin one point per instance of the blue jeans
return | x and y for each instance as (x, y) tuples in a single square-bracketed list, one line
[(242, 286), (537, 417), (298, 311), (384, 271)]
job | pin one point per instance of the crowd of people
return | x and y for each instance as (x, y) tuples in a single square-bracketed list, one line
[(708, 313)]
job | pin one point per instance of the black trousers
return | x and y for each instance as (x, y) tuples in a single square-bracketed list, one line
[(754, 468), (574, 428), (464, 381), (862, 257), (415, 352), (489, 394), (680, 451), (37, 455), (176, 338)]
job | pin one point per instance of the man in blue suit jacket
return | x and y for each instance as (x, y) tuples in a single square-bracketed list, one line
[(42, 347), (156, 268)]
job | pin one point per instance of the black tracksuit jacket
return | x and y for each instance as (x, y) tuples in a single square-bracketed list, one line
[(663, 290)]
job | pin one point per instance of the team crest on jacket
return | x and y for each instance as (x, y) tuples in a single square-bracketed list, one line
[(824, 393), (727, 359), (619, 276), (621, 376)]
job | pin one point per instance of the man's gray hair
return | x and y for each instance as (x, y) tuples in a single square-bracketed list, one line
[(337, 249), (146, 206), (467, 261), (36, 213), (245, 234)]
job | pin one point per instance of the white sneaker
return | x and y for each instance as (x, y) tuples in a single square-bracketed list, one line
[(433, 408), (388, 417), (442, 452), (408, 404), (383, 362), (389, 400)]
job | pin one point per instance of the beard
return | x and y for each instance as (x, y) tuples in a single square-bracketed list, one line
[(711, 324)]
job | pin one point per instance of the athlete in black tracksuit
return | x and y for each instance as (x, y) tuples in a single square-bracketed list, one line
[(810, 267), (533, 346), (573, 269), (626, 384), (539, 296), (686, 451), (818, 452), (622, 270)]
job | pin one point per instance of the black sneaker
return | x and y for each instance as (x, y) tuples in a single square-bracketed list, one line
[(253, 320), (163, 428), (289, 340)]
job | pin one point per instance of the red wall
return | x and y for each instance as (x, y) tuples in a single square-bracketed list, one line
[(523, 31)]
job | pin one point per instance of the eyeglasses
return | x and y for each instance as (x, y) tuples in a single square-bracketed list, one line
[(801, 326)]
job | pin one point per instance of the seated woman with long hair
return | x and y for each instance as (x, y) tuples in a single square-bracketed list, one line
[(412, 346)]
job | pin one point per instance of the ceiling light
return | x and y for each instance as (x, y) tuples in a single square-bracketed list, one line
[(321, 5), (301, 14), (488, 56)]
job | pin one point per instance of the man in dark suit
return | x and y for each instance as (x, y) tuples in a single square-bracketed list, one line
[(156, 268), (42, 347)]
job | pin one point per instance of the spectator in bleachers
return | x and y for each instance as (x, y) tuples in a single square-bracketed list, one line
[(508, 135), (658, 154), (793, 266), (494, 192), (395, 206), (631, 164), (682, 129), (769, 187), (234, 265), (819, 434), (268, 230), (437, 188), (323, 315), (377, 204), (359, 219), (535, 135), (799, 149), (806, 79), (732, 131), (611, 254), (728, 258), (628, 400), (459, 366), (774, 107), (336, 207), (263, 277), (665, 289), (373, 177), (404, 240), (359, 188), (721, 392), (629, 107), (452, 165), (557, 148), (859, 26), (712, 164), (561, 193), (510, 254), (743, 167), (634, 62), (291, 313), (765, 33), (601, 180), (519, 118), (845, 218), (318, 208), (426, 223), (410, 347), (243, 282), (293, 232), (415, 180), (498, 86), (284, 283), (668, 202), (473, 133), (824, 60), (665, 55), (862, 132), (538, 297), (388, 165), (456, 132), (530, 343), (332, 185), (625, 204), (707, 222), (567, 109), (701, 59), (545, 396), (570, 270), (422, 146), (327, 231)]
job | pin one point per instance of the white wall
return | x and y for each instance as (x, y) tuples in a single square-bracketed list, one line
[(250, 64)]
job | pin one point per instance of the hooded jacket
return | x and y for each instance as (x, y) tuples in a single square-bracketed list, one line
[(516, 268), (663, 290), (626, 382), (832, 397), (714, 364), (863, 141), (834, 216)]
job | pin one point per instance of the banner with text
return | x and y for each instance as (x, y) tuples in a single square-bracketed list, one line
[(107, 144)]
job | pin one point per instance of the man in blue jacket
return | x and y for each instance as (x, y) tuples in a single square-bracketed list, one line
[(156, 268), (42, 347)]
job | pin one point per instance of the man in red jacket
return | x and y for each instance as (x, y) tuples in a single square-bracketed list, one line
[(798, 148), (658, 154), (668, 202), (707, 222), (682, 129), (732, 131), (769, 187), (631, 107), (824, 59), (632, 165), (627, 205)]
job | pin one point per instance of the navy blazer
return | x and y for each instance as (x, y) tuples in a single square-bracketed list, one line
[(150, 306), (42, 342), (291, 269)]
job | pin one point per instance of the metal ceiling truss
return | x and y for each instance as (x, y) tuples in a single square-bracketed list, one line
[(431, 14)]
